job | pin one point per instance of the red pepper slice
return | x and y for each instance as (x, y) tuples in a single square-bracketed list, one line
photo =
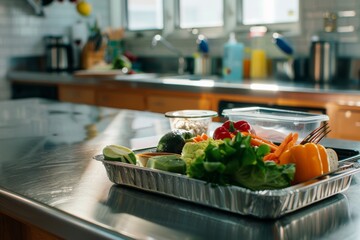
[(221, 133), (229, 125), (242, 126), (230, 128)]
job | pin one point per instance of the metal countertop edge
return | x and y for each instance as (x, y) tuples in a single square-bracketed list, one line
[(174, 83), (52, 220)]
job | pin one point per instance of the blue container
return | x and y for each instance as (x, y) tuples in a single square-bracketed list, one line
[(233, 60)]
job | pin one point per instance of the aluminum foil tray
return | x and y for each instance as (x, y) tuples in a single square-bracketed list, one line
[(261, 204)]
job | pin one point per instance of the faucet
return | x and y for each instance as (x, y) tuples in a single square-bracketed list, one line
[(181, 60)]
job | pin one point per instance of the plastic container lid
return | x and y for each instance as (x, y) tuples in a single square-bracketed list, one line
[(191, 114), (273, 114)]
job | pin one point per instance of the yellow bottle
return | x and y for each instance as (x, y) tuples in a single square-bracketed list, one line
[(258, 66)]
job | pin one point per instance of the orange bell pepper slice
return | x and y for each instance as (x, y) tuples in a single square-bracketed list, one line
[(310, 160)]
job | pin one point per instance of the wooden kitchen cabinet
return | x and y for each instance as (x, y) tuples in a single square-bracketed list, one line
[(11, 228), (344, 121), (77, 94), (162, 103), (121, 98)]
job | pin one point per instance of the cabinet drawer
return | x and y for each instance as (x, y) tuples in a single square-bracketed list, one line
[(77, 94), (121, 99), (348, 124), (164, 104)]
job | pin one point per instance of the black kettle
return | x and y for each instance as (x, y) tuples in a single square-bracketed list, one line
[(58, 54), (323, 61)]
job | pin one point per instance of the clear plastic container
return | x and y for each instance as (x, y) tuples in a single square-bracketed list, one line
[(197, 121), (275, 124)]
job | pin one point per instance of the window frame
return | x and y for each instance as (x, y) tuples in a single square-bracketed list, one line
[(232, 14), (126, 15), (290, 28), (210, 32), (137, 33)]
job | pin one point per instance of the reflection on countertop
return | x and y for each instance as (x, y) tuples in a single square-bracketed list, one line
[(198, 222), (32, 128), (67, 123)]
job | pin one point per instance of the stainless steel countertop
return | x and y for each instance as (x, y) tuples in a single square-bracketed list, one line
[(187, 83), (48, 178)]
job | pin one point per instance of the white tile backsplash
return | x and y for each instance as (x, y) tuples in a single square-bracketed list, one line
[(21, 31)]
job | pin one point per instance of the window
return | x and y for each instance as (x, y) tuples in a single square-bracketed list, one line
[(201, 13), (269, 11), (213, 18), (144, 14)]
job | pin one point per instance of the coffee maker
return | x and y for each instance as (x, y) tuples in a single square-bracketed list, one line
[(58, 54)]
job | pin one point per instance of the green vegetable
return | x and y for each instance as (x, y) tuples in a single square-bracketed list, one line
[(235, 161), (191, 150), (169, 163), (119, 153), (268, 176), (121, 62), (173, 141)]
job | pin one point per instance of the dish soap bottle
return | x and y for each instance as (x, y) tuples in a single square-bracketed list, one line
[(233, 60)]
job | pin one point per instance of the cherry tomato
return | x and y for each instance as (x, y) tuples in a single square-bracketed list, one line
[(227, 124), (242, 126), (229, 128), (221, 133)]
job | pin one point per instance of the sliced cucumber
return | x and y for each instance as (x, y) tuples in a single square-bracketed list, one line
[(119, 153), (169, 163)]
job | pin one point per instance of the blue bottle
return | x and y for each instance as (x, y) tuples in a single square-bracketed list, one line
[(233, 60)]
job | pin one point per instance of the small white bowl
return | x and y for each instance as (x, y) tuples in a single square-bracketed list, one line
[(197, 121)]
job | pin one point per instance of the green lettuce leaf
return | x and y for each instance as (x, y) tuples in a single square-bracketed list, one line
[(235, 161), (270, 176)]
